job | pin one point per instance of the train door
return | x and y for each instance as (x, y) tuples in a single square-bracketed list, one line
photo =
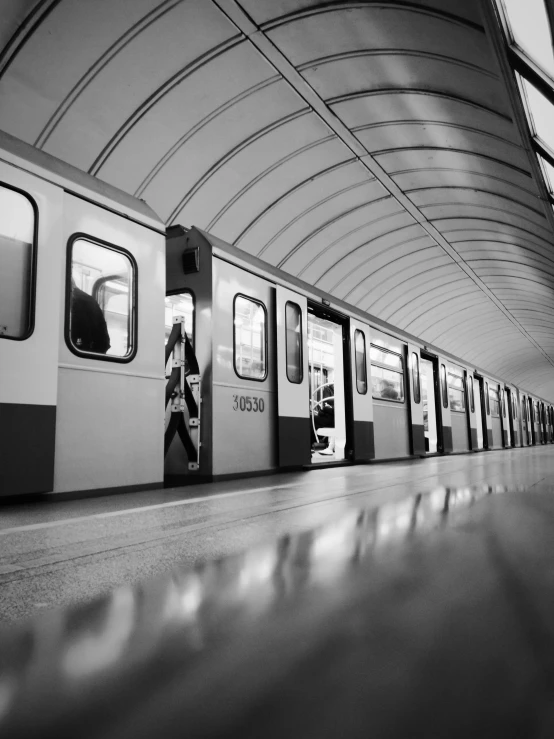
[(486, 413), (531, 416), (363, 439), (512, 416), (294, 420), (478, 411), (429, 397), (327, 387), (507, 435)]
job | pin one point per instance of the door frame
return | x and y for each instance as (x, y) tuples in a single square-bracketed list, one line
[(323, 311), (433, 358)]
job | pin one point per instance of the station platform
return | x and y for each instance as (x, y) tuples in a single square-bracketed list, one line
[(412, 599)]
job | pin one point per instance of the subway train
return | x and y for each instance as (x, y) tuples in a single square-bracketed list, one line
[(260, 371)]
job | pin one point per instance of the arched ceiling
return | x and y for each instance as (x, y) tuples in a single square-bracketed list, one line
[(369, 148)]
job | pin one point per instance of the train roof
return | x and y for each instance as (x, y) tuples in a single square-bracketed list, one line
[(73, 180)]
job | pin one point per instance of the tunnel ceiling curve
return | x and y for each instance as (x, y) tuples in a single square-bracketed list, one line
[(369, 148)]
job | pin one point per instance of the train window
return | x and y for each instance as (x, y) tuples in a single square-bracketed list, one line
[(456, 391), (471, 393), (487, 403), (18, 224), (494, 402), (415, 377), (180, 304), (293, 342), (250, 338), (361, 362), (387, 374), (101, 306), (444, 387)]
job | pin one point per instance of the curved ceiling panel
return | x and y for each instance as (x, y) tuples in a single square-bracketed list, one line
[(374, 149)]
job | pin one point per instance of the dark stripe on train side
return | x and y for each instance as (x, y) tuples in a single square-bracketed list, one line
[(294, 441), (364, 440), (447, 445), (27, 443), (418, 439)]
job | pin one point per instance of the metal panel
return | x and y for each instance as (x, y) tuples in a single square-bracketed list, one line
[(413, 387), (293, 397), (362, 406)]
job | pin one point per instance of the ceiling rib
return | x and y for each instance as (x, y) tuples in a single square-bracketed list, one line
[(238, 16)]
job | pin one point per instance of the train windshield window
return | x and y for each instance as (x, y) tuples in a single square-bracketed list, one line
[(102, 301), (293, 341), (387, 374), (250, 320), (494, 402), (456, 391), (444, 387), (180, 305), (415, 377), (17, 242), (361, 362)]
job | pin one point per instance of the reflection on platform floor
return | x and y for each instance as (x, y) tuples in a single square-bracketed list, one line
[(67, 552), (425, 616)]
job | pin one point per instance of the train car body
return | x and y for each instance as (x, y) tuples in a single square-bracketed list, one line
[(75, 415)]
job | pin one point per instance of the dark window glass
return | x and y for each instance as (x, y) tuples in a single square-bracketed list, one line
[(17, 243), (494, 402), (293, 338), (471, 393), (415, 377), (361, 362), (250, 321), (387, 374), (487, 398), (456, 392), (444, 387), (102, 301)]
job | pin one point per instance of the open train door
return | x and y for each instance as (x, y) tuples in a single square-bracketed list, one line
[(293, 392), (363, 437), (416, 406)]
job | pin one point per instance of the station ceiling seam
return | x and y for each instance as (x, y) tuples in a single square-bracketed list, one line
[(256, 36)]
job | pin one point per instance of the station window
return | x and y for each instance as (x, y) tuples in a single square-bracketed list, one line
[(387, 374), (101, 309), (18, 218), (361, 362), (487, 403), (250, 321), (471, 393), (444, 387), (415, 377), (494, 402), (456, 391), (293, 342)]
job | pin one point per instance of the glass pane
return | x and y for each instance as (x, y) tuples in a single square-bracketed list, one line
[(415, 377), (456, 399), (487, 403), (180, 305), (293, 341), (471, 394), (444, 389), (389, 359), (17, 226), (102, 300), (250, 338), (387, 384), (548, 174), (361, 362), (541, 113), (531, 30)]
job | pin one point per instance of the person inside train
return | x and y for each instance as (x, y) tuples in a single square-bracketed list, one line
[(324, 416), (88, 328)]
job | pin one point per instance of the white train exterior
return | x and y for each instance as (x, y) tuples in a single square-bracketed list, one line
[(270, 353)]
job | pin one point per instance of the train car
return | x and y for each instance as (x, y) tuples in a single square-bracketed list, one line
[(81, 267), (262, 371)]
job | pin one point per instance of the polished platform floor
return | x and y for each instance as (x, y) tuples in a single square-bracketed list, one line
[(420, 605), (54, 554)]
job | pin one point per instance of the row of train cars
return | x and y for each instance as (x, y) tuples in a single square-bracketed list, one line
[(262, 372)]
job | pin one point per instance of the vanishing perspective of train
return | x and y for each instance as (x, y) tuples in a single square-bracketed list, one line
[(260, 372)]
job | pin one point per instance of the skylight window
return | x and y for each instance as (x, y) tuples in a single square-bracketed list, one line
[(530, 30), (548, 172), (540, 113)]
